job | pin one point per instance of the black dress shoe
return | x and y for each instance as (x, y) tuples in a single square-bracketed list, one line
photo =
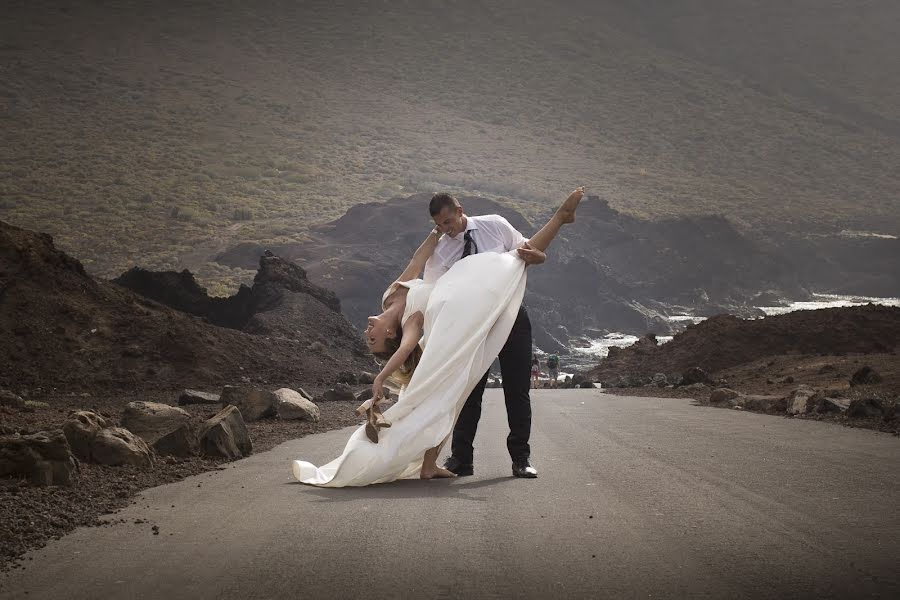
[(523, 468), (454, 465)]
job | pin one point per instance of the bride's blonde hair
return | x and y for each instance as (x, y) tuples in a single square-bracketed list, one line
[(401, 376)]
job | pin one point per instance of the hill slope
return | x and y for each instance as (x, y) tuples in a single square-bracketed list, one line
[(159, 134)]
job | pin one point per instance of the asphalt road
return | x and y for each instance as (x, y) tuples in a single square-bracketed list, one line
[(637, 498)]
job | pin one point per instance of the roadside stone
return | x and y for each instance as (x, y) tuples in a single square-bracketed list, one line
[(865, 376), (340, 391), (291, 405), (225, 435), (117, 446), (764, 403), (695, 375), (44, 458), (11, 400), (80, 428), (253, 403), (660, 380), (865, 407), (801, 400), (304, 393), (366, 378), (198, 397), (723, 397), (152, 420), (181, 442), (830, 405)]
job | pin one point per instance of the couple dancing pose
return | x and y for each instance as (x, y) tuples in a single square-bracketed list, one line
[(439, 335)]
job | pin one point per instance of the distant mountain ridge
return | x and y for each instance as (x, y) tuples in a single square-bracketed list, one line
[(162, 134)]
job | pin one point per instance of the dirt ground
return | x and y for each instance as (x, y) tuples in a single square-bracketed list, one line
[(30, 516)]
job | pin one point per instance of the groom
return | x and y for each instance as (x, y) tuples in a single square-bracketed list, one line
[(464, 235)]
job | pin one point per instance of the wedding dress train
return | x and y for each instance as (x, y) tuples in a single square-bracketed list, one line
[(469, 313)]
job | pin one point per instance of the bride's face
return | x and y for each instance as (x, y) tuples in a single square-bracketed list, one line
[(377, 331)]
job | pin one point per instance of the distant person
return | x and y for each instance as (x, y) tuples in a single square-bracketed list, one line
[(535, 372), (464, 319), (553, 369)]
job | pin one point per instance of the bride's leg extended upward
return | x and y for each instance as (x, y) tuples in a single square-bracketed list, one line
[(564, 214)]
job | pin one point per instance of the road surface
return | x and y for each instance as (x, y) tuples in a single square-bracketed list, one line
[(637, 498)]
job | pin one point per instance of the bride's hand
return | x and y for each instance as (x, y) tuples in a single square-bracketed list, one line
[(377, 389), (531, 256)]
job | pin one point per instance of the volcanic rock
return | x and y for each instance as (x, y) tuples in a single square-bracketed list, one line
[(865, 407), (254, 403), (80, 429), (865, 376), (44, 458), (291, 405), (225, 435), (118, 446), (197, 397)]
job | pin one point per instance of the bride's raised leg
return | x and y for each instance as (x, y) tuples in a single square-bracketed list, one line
[(564, 214), (430, 470)]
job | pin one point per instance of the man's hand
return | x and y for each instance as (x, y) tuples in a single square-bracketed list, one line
[(531, 256)]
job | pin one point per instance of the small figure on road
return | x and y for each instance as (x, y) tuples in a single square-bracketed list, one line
[(553, 369), (535, 372)]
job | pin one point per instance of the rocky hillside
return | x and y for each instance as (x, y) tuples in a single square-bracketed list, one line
[(62, 328), (724, 342), (607, 272), (162, 133)]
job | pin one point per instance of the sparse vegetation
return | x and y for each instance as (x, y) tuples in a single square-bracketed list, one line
[(100, 148)]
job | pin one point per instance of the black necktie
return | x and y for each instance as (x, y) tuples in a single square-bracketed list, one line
[(471, 247)]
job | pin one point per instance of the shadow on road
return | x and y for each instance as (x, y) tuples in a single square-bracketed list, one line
[(406, 488)]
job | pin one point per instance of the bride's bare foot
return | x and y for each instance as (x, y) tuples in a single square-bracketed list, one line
[(436, 472), (566, 211)]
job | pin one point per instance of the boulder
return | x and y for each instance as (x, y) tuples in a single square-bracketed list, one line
[(763, 403), (340, 392), (860, 408), (11, 400), (197, 397), (865, 376), (118, 446), (304, 393), (181, 442), (44, 458), (253, 403), (152, 420), (695, 375), (801, 400), (660, 380), (225, 435), (830, 405), (366, 378), (724, 398), (80, 428), (291, 405)]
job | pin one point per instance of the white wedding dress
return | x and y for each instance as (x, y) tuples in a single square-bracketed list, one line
[(469, 314)]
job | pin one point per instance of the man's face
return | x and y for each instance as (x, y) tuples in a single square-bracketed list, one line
[(449, 221)]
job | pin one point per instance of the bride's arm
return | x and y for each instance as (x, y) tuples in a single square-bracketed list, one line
[(412, 333), (421, 255)]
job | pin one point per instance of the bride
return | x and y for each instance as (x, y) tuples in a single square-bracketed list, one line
[(438, 339)]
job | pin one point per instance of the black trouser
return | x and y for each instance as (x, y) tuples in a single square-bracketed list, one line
[(515, 368)]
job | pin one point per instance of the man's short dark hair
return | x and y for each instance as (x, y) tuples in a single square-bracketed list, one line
[(441, 201)]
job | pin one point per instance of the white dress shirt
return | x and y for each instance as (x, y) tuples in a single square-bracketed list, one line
[(492, 233)]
